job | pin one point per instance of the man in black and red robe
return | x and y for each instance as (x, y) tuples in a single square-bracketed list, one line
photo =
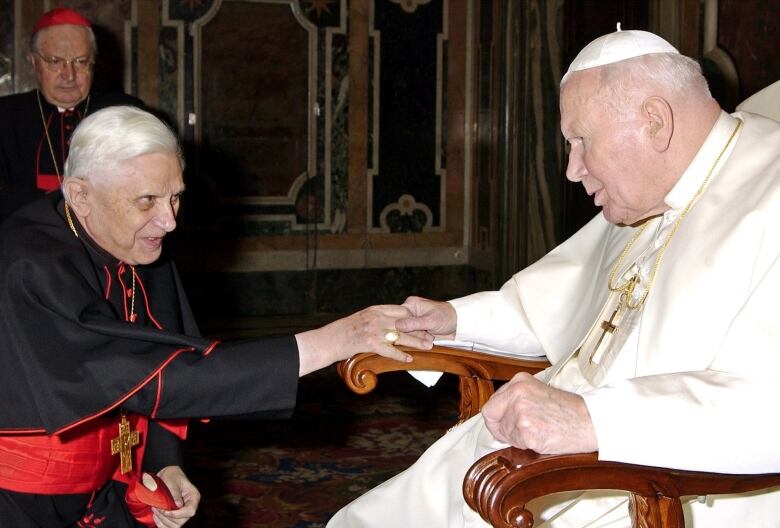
[(35, 126), (98, 337)]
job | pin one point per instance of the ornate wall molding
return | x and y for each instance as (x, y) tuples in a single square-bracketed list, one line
[(410, 6), (294, 191), (398, 161)]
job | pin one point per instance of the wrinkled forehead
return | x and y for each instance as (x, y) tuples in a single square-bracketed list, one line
[(580, 94)]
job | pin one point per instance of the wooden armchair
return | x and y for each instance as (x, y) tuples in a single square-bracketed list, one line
[(477, 372), (499, 485)]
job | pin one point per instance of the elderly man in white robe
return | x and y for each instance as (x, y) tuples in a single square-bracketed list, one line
[(659, 316)]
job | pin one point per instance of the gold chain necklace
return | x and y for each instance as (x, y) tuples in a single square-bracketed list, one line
[(628, 286)]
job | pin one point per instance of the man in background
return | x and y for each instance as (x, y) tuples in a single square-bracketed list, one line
[(36, 126)]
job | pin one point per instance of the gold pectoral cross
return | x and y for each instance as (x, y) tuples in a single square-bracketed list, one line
[(124, 443), (610, 327)]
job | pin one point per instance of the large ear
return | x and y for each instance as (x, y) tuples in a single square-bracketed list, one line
[(660, 122), (77, 190), (31, 61)]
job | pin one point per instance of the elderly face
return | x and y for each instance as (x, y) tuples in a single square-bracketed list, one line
[(609, 154), (131, 212), (60, 82)]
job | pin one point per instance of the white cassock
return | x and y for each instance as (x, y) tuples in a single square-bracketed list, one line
[(693, 385)]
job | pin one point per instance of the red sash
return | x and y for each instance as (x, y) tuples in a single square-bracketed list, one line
[(78, 461)]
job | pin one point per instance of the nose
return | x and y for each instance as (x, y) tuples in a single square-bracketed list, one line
[(166, 217), (68, 71), (575, 169)]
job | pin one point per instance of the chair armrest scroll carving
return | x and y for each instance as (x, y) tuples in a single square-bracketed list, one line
[(499, 485), (477, 371)]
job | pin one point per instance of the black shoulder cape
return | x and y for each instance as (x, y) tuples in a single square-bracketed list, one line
[(68, 354)]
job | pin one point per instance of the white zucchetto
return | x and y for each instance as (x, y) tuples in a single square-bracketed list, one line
[(618, 46)]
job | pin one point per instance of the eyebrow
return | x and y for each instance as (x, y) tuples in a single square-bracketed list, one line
[(144, 194), (52, 56)]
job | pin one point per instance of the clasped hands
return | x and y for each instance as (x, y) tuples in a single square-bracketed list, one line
[(525, 412)]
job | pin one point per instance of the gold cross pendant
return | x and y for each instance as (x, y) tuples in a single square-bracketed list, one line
[(124, 443), (610, 327)]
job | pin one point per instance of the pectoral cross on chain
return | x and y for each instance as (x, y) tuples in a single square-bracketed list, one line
[(124, 443), (610, 328)]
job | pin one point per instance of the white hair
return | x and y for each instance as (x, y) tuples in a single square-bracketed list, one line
[(109, 137), (36, 37), (674, 74)]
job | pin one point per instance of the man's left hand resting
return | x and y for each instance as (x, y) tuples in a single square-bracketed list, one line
[(529, 414)]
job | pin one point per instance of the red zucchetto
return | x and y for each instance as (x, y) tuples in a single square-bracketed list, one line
[(58, 17)]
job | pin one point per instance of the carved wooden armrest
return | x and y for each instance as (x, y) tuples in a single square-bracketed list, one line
[(499, 485), (476, 370)]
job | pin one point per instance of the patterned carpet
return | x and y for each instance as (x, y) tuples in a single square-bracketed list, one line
[(297, 473)]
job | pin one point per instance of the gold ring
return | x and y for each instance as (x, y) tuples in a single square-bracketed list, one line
[(392, 335)]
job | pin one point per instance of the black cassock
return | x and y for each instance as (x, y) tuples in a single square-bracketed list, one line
[(27, 168), (70, 355)]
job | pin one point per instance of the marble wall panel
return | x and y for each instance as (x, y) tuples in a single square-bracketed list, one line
[(406, 170), (255, 107)]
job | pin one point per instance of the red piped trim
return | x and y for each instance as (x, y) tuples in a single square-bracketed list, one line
[(108, 281), (146, 301), (45, 182), (119, 272), (62, 134), (127, 396), (155, 373), (210, 348), (38, 157), (206, 352), (159, 395), (23, 431)]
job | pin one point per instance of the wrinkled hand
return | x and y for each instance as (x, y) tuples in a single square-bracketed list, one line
[(434, 318), (529, 414), (185, 494), (363, 331)]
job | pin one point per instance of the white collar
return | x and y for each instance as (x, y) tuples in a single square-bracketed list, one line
[(690, 181)]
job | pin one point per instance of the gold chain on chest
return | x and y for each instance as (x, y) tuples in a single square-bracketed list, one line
[(628, 285)]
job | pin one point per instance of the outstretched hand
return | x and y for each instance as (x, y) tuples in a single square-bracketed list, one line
[(185, 494), (363, 331), (529, 414)]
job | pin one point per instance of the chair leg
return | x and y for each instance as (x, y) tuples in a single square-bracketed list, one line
[(655, 512)]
